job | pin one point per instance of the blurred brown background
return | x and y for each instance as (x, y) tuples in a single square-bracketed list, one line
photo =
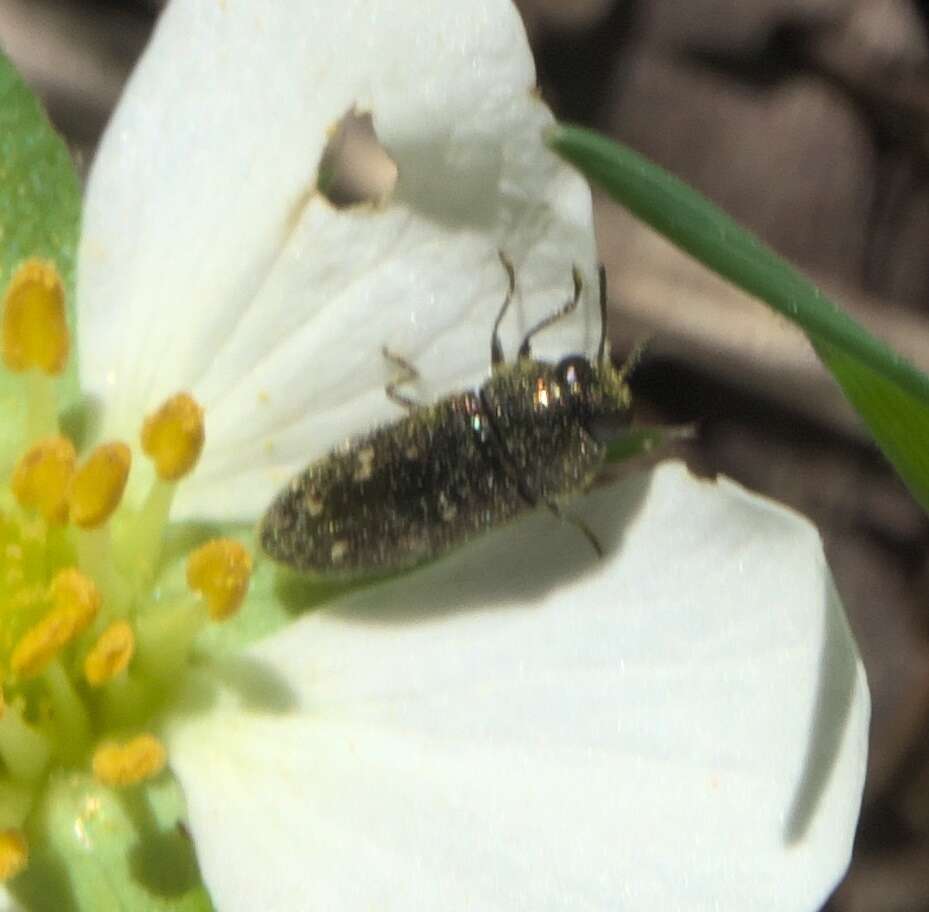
[(809, 121)]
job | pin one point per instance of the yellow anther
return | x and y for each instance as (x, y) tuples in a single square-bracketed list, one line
[(97, 486), (41, 643), (77, 595), (35, 332), (173, 436), (220, 571), (42, 475), (14, 854), (110, 655), (75, 602), (129, 762)]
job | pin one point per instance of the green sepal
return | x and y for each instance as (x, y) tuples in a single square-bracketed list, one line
[(93, 848), (889, 393)]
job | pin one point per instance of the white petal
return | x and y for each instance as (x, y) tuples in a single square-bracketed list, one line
[(209, 262), (8, 903), (681, 725)]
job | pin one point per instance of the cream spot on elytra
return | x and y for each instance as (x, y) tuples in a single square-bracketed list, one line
[(365, 465), (339, 550)]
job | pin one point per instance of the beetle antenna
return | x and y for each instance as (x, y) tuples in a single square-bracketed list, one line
[(570, 307), (634, 358), (601, 349), (496, 349)]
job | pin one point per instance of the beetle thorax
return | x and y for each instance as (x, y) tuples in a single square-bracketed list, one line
[(541, 415)]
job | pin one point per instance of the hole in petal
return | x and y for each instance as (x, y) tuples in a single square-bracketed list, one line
[(355, 168)]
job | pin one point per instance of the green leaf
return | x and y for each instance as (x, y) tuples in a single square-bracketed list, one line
[(94, 848), (898, 420), (40, 206), (890, 394)]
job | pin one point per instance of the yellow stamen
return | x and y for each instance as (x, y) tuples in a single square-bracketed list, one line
[(110, 655), (129, 762), (73, 592), (75, 601), (35, 332), (24, 750), (220, 571), (41, 478), (41, 643), (98, 485), (14, 853), (173, 436)]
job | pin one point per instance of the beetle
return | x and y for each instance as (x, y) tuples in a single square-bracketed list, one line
[(535, 433)]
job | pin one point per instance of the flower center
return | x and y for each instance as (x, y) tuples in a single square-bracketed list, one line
[(90, 650)]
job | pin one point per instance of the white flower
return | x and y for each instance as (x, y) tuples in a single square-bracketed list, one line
[(680, 725)]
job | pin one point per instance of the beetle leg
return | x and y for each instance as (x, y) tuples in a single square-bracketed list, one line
[(579, 524), (406, 373), (601, 348)]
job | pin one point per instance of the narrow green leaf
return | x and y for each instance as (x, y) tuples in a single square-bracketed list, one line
[(890, 394), (898, 420), (40, 205)]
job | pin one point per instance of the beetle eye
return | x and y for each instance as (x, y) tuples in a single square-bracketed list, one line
[(575, 371)]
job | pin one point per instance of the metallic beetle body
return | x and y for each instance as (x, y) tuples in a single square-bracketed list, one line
[(534, 433)]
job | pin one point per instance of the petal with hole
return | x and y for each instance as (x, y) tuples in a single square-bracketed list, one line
[(211, 263)]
